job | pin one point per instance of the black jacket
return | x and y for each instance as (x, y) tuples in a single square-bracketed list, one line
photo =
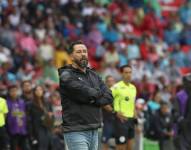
[(163, 123), (82, 95)]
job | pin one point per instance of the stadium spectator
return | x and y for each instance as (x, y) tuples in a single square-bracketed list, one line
[(108, 120), (163, 123), (41, 121), (17, 120), (182, 114)]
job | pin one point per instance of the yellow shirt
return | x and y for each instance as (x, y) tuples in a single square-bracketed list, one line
[(3, 111), (124, 98), (61, 58)]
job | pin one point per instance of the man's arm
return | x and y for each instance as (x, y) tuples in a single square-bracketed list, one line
[(116, 100), (108, 108), (106, 98), (77, 90), (116, 105)]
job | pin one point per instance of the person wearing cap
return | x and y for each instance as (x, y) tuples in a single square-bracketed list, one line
[(124, 93), (83, 94), (182, 115)]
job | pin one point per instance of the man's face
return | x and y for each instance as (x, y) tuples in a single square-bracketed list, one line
[(110, 81), (13, 92), (126, 73), (27, 87), (80, 55), (165, 109)]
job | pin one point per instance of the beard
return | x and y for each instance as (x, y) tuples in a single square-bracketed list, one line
[(83, 63)]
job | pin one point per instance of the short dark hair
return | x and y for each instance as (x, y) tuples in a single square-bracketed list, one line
[(163, 104), (124, 66), (25, 81), (108, 76), (71, 46), (12, 86)]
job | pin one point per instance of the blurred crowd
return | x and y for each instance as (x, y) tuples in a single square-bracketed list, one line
[(153, 36), (33, 118)]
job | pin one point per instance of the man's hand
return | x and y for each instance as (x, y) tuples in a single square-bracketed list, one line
[(108, 108), (170, 133), (57, 130), (121, 117)]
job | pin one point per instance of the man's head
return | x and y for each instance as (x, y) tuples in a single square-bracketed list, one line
[(55, 98), (79, 54), (110, 81), (164, 108), (26, 86), (126, 72), (13, 92), (187, 81)]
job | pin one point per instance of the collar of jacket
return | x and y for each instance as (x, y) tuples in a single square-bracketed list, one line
[(70, 67)]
